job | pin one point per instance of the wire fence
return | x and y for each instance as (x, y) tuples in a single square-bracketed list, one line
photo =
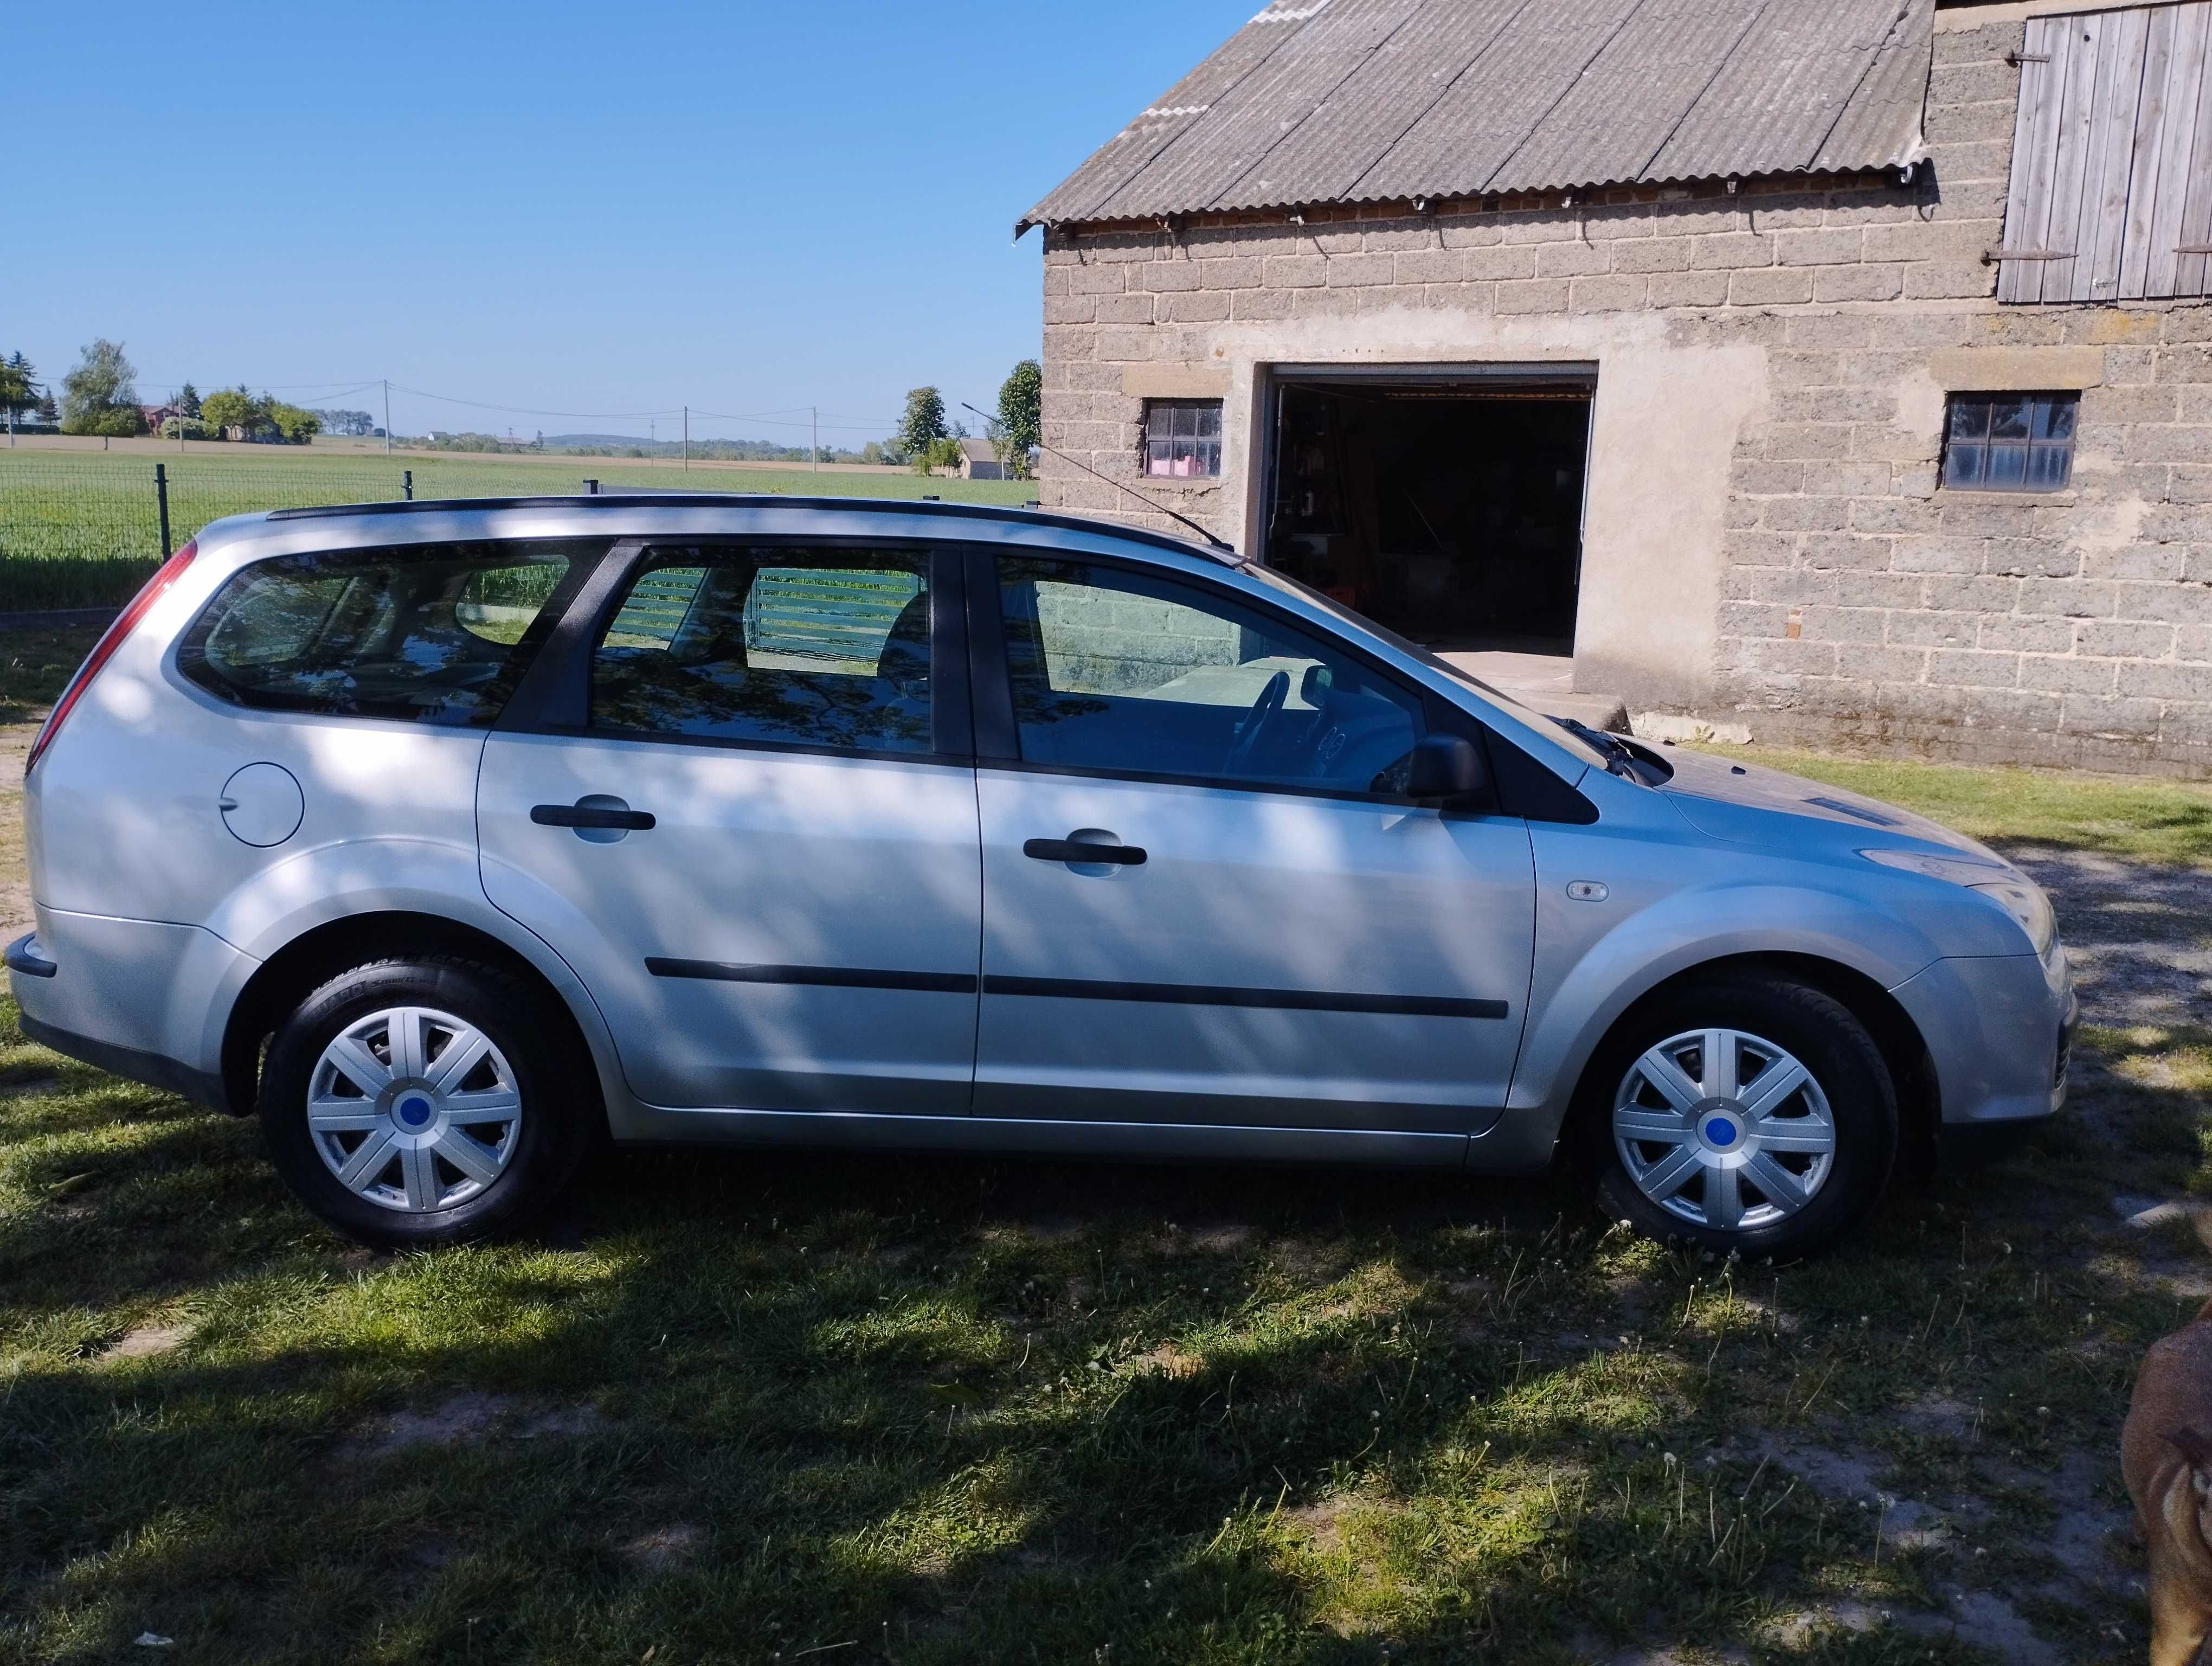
[(85, 529)]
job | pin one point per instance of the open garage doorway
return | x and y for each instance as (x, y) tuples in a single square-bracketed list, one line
[(1447, 505)]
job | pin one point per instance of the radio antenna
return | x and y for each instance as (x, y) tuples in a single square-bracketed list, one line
[(1161, 509)]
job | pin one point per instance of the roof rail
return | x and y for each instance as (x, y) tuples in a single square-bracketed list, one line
[(904, 506)]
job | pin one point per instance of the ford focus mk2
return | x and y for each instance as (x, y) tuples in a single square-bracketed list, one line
[(445, 836)]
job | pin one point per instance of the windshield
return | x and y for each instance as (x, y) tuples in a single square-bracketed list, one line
[(1537, 720)]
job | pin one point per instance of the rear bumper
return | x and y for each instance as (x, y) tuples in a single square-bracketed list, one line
[(1998, 1030), (151, 1068), (143, 998)]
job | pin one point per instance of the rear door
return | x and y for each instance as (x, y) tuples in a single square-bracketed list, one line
[(1206, 899), (754, 837)]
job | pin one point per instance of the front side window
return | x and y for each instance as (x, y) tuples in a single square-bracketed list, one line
[(786, 647), (1182, 439), (1137, 674), (435, 634), (2010, 442)]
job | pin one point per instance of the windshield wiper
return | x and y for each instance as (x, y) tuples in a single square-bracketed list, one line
[(1619, 760)]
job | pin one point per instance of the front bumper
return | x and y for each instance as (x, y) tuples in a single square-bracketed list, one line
[(1999, 1030)]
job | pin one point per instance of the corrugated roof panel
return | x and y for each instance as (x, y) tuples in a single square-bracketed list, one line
[(1788, 90), (1620, 111), (1078, 196), (1462, 140), (1359, 123), (1322, 51), (1885, 116), (1316, 102)]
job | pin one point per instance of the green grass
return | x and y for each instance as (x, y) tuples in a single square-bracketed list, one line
[(735, 1407), (2140, 818), (80, 529)]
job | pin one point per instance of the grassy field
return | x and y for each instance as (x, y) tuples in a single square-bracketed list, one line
[(2139, 818), (80, 529), (775, 1407)]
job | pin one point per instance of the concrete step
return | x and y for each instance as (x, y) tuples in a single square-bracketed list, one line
[(1546, 682)]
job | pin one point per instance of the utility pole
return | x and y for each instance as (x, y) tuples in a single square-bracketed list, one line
[(817, 410), (388, 416), (687, 438)]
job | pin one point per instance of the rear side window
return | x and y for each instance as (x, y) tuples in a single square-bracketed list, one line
[(788, 646), (428, 634)]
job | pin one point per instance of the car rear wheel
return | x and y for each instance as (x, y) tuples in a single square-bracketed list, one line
[(1750, 1114), (422, 1101)]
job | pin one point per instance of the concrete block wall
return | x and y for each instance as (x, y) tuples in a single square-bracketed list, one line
[(1857, 600)]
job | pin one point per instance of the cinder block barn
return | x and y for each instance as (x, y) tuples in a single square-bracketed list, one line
[(1841, 370)]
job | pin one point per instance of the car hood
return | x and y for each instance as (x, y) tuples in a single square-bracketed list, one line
[(1746, 803)]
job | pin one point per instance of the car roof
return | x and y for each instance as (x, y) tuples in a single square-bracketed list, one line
[(611, 502)]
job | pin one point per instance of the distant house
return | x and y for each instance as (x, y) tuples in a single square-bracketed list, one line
[(157, 415), (1845, 366), (979, 460)]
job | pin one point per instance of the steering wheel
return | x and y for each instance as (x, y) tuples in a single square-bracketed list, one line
[(1263, 713)]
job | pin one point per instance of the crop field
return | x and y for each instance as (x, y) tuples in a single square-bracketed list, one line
[(83, 529)]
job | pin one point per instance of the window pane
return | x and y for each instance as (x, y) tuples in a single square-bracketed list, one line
[(1177, 434), (2009, 418), (438, 634), (2008, 467), (1121, 671), (2054, 417), (1970, 417), (2049, 467), (751, 645), (1965, 465)]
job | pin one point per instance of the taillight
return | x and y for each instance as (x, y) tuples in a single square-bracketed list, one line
[(104, 650)]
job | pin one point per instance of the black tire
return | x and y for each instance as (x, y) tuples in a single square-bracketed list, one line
[(1824, 1036), (551, 1071)]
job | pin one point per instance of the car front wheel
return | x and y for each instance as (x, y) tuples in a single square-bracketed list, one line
[(1750, 1114), (421, 1102)]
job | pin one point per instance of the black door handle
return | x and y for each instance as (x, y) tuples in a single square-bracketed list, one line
[(581, 815), (1082, 850)]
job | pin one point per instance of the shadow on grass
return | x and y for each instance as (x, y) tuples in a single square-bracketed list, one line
[(743, 1406)]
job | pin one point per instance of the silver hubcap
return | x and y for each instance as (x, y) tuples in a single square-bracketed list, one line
[(1723, 1129), (414, 1110)]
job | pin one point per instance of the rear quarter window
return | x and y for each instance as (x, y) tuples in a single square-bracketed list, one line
[(436, 634)]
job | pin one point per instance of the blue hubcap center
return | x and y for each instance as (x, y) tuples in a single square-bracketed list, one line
[(1719, 1131), (414, 1110)]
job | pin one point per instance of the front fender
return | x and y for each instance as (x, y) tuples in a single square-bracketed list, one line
[(1595, 960)]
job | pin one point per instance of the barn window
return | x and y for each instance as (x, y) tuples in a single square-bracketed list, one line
[(2111, 167), (2010, 442), (1182, 439)]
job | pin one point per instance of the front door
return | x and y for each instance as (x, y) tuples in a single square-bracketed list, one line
[(761, 854), (1204, 898)]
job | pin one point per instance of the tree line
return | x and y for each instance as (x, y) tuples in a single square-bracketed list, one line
[(99, 398)]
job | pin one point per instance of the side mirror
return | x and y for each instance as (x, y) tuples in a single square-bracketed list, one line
[(1446, 768)]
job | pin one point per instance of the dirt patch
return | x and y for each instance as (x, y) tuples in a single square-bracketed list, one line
[(2139, 938), (148, 1341), (1165, 1361), (664, 1547), (470, 1419), (1321, 1524)]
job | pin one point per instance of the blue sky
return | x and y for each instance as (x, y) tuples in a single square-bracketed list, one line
[(579, 209)]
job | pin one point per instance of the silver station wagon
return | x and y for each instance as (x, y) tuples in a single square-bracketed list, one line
[(450, 837)]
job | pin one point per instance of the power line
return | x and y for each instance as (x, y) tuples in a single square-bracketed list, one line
[(794, 416), (527, 410)]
